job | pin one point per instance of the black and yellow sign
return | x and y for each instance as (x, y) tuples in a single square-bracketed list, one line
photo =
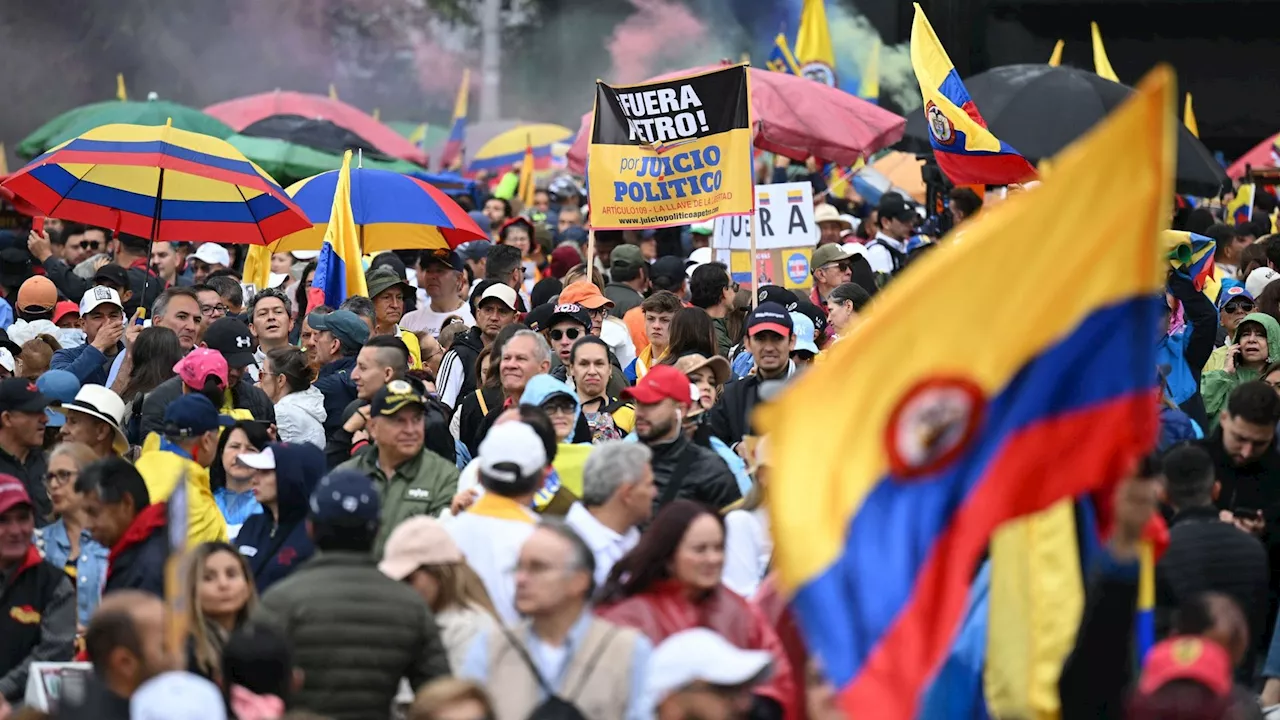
[(671, 153)]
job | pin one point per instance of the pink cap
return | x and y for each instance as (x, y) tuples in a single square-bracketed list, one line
[(199, 364), (12, 493)]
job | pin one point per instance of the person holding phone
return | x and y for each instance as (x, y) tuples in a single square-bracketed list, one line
[(102, 312), (1256, 343)]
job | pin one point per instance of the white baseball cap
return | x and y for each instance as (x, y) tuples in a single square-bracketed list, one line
[(1259, 279), (702, 655), (265, 460), (699, 257), (305, 255), (213, 254), (277, 279), (510, 446), (99, 295), (502, 292), (177, 696)]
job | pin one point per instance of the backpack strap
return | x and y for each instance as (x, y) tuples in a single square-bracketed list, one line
[(484, 406), (676, 481)]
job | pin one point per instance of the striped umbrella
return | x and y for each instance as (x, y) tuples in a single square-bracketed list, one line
[(503, 151), (160, 183), (392, 212)]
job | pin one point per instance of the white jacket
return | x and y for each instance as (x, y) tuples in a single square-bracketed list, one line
[(300, 418)]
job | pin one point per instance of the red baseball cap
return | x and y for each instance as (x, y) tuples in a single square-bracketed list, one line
[(12, 493), (63, 309), (1186, 658), (660, 383)]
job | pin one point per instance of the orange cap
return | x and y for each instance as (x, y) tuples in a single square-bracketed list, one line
[(585, 294), (37, 292)]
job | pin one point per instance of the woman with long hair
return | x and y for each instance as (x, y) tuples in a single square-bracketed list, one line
[(421, 554), (155, 352), (67, 542), (691, 332), (671, 582), (232, 483), (220, 597), (286, 379)]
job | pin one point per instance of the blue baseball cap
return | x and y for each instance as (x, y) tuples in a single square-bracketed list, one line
[(1234, 292), (192, 415), (802, 326), (344, 324), (60, 386), (345, 497)]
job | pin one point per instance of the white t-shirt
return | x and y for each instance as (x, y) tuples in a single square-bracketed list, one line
[(748, 548), (424, 319)]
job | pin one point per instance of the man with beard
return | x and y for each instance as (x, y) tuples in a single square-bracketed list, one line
[(681, 469), (770, 338)]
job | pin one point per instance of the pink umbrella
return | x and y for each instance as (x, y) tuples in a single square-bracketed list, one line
[(1265, 154), (798, 118)]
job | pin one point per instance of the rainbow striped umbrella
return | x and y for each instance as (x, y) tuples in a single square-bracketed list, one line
[(500, 153), (161, 183), (392, 212)]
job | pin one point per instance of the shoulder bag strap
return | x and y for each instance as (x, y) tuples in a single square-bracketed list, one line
[(594, 660), (676, 481), (524, 655), (484, 406)]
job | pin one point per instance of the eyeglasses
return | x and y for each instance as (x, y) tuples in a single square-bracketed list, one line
[(59, 477), (1238, 306), (602, 310), (214, 310), (571, 333), (841, 266), (558, 408)]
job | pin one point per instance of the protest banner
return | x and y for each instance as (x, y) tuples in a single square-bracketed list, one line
[(785, 237), (670, 153)]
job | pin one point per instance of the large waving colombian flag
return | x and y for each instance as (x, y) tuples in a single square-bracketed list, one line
[(339, 269), (944, 428), (965, 149)]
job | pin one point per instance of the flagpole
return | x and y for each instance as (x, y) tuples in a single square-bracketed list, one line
[(591, 254), (755, 270)]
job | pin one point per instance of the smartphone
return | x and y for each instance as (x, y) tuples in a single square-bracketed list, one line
[(1244, 512)]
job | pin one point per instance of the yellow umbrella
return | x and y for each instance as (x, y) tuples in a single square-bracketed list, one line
[(903, 171)]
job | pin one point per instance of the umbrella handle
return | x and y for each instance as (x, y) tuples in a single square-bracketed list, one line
[(155, 229)]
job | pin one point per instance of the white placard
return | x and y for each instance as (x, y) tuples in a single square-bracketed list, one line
[(785, 216)]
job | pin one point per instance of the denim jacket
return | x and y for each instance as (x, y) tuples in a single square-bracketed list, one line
[(91, 566)]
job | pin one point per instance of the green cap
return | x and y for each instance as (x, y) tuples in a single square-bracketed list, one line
[(626, 256), (383, 278)]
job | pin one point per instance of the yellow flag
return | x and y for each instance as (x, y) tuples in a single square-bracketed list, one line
[(333, 91), (1189, 117), (257, 266), (1055, 59), (339, 270), (377, 114), (526, 187), (121, 93), (4, 160), (869, 87), (813, 44), (1101, 65)]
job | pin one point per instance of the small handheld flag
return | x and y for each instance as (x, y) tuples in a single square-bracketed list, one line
[(1055, 59), (526, 187), (1189, 117), (781, 59), (1101, 65), (122, 94)]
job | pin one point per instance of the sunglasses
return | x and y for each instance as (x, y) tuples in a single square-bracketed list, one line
[(1238, 306), (571, 333), (89, 244), (555, 408)]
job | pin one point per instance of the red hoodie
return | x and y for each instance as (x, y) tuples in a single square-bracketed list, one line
[(144, 524)]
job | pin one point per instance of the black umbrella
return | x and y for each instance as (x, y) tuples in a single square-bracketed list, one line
[(313, 133), (1040, 109)]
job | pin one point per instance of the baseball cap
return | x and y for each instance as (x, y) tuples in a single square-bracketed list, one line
[(693, 362), (771, 317), (344, 324), (816, 315), (702, 655), (191, 415), (778, 295), (1186, 658), (199, 364), (893, 205), (37, 294), (660, 383), (626, 257), (60, 386), (803, 328), (1235, 292), (667, 272), (585, 294), (448, 258), (382, 279), (63, 309), (501, 292), (101, 403), (231, 337), (476, 249), (570, 311), (177, 696), (539, 318), (511, 452), (305, 255), (213, 254), (112, 273), (827, 254), (563, 259), (1259, 279), (517, 220), (21, 395), (15, 265), (418, 541), (345, 497), (706, 227), (13, 493), (394, 397), (277, 279), (99, 295), (700, 256)]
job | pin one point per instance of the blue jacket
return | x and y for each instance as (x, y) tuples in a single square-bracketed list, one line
[(85, 362), (91, 565), (335, 383), (274, 548)]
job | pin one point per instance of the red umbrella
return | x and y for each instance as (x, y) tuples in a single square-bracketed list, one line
[(243, 112), (1265, 154), (798, 118)]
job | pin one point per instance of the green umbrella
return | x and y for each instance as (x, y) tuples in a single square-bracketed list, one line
[(77, 121), (288, 162), (436, 133)]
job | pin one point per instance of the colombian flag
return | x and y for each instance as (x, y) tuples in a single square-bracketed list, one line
[(869, 87), (965, 149), (339, 270), (780, 58), (937, 446), (451, 155), (1240, 209), (525, 190), (815, 57), (1192, 255)]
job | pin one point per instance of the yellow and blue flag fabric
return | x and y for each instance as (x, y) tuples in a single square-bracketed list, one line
[(526, 187), (451, 154), (869, 87), (965, 149), (339, 270), (1240, 209), (934, 449), (1055, 58), (814, 55), (781, 59), (1191, 255), (1101, 65), (1189, 117)]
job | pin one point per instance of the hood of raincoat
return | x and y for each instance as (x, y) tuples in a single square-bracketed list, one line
[(1272, 327), (541, 387), (310, 401), (299, 466)]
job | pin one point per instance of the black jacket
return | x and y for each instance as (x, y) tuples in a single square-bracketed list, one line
[(248, 397), (472, 413), (730, 418), (98, 703), (334, 381), (31, 472), (137, 560), (699, 475), (1206, 554), (464, 351)]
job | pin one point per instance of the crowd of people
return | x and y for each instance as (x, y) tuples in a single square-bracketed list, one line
[(508, 484)]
